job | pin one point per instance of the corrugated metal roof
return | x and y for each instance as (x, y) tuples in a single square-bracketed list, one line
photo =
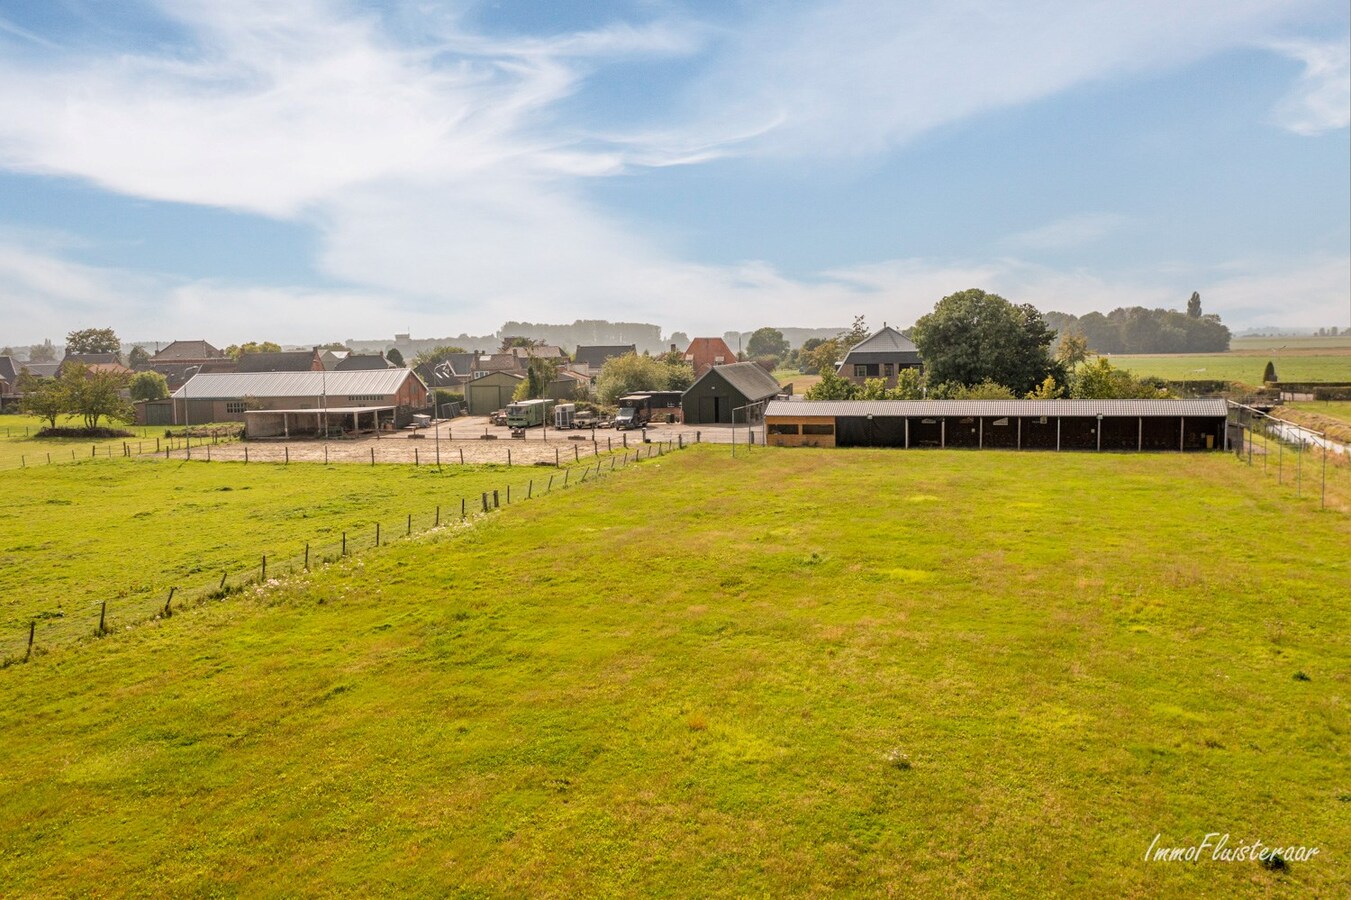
[(1090, 408), (233, 385), (748, 378)]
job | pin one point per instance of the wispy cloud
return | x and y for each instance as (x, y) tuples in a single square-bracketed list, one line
[(1066, 233), (1321, 101)]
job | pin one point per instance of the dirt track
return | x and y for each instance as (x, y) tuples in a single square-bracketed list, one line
[(460, 440)]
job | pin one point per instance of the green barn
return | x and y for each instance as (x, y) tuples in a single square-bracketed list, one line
[(721, 390), (492, 392)]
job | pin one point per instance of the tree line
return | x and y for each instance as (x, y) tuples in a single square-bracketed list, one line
[(1135, 329)]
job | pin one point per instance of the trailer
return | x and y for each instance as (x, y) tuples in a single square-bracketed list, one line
[(528, 413), (564, 415), (639, 408)]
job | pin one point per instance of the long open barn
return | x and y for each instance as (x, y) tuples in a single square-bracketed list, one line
[(1139, 425)]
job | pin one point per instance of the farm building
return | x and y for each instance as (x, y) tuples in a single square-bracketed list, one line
[(1000, 424), (595, 356), (882, 355), (291, 400), (490, 392), (721, 390), (704, 353)]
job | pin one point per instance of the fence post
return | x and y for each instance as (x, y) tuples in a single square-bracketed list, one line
[(103, 612), (32, 626), (565, 477), (373, 454), (607, 443), (377, 534), (461, 456), (550, 486), (223, 576), (508, 456), (286, 451), (264, 578), (167, 611), (344, 543), (496, 504), (438, 516), (508, 495), (530, 489), (576, 453), (246, 454), (555, 457), (416, 462), (410, 525), (463, 510)]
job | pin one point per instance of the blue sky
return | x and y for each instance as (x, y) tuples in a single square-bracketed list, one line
[(310, 170)]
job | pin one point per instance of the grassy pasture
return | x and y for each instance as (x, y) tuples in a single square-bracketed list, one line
[(127, 530), (927, 674), (17, 448), (1245, 366)]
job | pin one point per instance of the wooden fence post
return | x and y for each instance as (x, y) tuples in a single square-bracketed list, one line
[(167, 611), (32, 626), (264, 578), (372, 456), (438, 516), (103, 612), (307, 556), (410, 525), (344, 543), (377, 534), (223, 576), (485, 501), (496, 503), (530, 489)]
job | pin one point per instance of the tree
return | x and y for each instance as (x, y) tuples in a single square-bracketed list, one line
[(235, 351), (8, 351), (1100, 380), (823, 357), (1194, 306), (436, 355), (42, 397), (42, 353), (1049, 389), (832, 387), (93, 340), (910, 385), (625, 374), (1072, 349), (1269, 373), (138, 357), (539, 374), (149, 386), (394, 356), (767, 342), (972, 337), (509, 342), (95, 394), (857, 333)]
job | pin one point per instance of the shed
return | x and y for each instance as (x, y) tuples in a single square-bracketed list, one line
[(491, 392), (215, 397), (1000, 424), (721, 390)]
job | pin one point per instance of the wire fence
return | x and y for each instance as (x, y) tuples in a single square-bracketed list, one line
[(54, 451), (1280, 447), (259, 568)]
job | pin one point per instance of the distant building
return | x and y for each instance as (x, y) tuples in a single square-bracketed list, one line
[(705, 353), (364, 397), (881, 355), (595, 356), (180, 360), (491, 392), (360, 362)]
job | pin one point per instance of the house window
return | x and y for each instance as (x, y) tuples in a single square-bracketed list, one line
[(719, 359), (235, 407), (365, 398), (888, 369), (818, 429), (860, 370), (776, 428), (479, 374)]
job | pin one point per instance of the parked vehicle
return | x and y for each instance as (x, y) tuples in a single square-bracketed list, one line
[(634, 411), (565, 415), (498, 417), (528, 413), (584, 419)]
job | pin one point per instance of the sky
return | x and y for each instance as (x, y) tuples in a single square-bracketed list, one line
[(321, 170)]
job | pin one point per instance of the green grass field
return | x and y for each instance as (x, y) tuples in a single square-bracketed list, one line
[(1339, 410), (1245, 367), (803, 672), (127, 530)]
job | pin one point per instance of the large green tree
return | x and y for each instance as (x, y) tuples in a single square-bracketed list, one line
[(767, 342), (95, 394), (973, 337), (149, 386), (42, 397), (93, 340), (234, 351), (42, 353), (436, 355)]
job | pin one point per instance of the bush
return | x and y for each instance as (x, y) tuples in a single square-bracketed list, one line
[(84, 433)]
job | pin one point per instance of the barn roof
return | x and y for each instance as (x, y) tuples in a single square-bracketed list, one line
[(1090, 408), (186, 350), (748, 379), (887, 345), (279, 361), (595, 355), (233, 385)]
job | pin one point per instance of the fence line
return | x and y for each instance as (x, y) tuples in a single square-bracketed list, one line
[(1249, 421), (61, 627)]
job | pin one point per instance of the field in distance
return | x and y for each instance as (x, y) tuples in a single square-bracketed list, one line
[(928, 673)]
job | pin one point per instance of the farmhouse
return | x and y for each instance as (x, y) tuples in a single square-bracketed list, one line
[(723, 391), (282, 361), (882, 355), (595, 356), (180, 360), (283, 403), (704, 353), (999, 424)]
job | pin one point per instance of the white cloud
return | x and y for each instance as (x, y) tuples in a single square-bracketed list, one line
[(1066, 233), (853, 77), (1321, 101)]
